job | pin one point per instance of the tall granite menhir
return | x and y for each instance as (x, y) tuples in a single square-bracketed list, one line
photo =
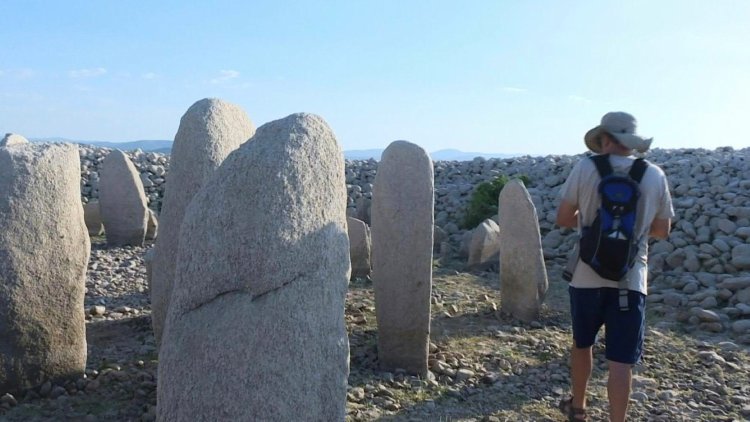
[(360, 247), (523, 276), (12, 139), (255, 328), (93, 218), (122, 201), (402, 218), (209, 130), (484, 248), (44, 250)]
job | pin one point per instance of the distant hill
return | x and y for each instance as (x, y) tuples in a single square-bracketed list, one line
[(456, 155), (166, 150), (441, 155), (363, 154), (146, 145), (165, 147)]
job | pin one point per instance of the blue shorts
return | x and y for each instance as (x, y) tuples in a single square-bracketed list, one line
[(592, 308)]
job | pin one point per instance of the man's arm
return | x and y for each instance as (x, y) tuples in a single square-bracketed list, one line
[(567, 215), (660, 228)]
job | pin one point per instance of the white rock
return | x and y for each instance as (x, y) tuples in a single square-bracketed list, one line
[(93, 218), (209, 130), (152, 226), (706, 315), (360, 246), (255, 328), (11, 139), (484, 248), (122, 201), (402, 220), (44, 251), (523, 276)]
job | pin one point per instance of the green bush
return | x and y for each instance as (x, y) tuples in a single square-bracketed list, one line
[(483, 203)]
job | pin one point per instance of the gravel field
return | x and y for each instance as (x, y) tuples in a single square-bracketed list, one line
[(484, 367)]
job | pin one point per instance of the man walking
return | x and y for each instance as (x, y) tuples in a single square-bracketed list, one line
[(619, 305)]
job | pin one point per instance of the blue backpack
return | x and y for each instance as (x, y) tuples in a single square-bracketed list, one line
[(609, 245)]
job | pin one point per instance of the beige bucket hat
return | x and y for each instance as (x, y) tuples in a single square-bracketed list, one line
[(623, 127)]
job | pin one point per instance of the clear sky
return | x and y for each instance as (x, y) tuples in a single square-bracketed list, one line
[(481, 76)]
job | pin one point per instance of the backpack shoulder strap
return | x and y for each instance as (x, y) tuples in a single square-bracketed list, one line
[(638, 169), (602, 164)]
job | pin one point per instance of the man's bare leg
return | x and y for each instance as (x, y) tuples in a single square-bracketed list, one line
[(618, 390), (581, 364)]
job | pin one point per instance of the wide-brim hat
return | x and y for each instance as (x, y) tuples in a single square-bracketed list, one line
[(623, 127)]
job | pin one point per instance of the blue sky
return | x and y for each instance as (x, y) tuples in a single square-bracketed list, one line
[(488, 76)]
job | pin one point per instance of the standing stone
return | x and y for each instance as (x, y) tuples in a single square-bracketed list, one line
[(465, 246), (122, 201), (44, 250), (364, 209), (209, 130), (523, 276), (360, 245), (484, 249), (11, 139), (148, 260), (93, 218), (402, 220), (255, 328), (439, 235), (152, 226)]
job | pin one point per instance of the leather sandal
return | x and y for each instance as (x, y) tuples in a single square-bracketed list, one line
[(574, 414)]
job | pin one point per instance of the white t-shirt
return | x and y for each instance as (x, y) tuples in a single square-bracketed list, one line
[(580, 190)]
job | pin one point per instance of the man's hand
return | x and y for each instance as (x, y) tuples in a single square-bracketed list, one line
[(660, 228), (567, 215)]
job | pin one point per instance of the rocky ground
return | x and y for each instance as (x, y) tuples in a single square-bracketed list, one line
[(484, 366)]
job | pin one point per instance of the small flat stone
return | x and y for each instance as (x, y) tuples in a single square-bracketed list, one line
[(97, 310), (463, 375), (8, 399), (639, 396), (56, 392)]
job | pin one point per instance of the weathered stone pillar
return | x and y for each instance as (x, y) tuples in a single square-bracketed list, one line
[(93, 218), (402, 220), (484, 249), (255, 328), (12, 139), (122, 201), (44, 250), (523, 276), (360, 246), (152, 225), (209, 130)]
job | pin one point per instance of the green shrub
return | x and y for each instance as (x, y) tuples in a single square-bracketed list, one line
[(483, 202)]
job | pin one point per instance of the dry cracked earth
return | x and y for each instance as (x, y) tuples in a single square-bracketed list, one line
[(484, 366)]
